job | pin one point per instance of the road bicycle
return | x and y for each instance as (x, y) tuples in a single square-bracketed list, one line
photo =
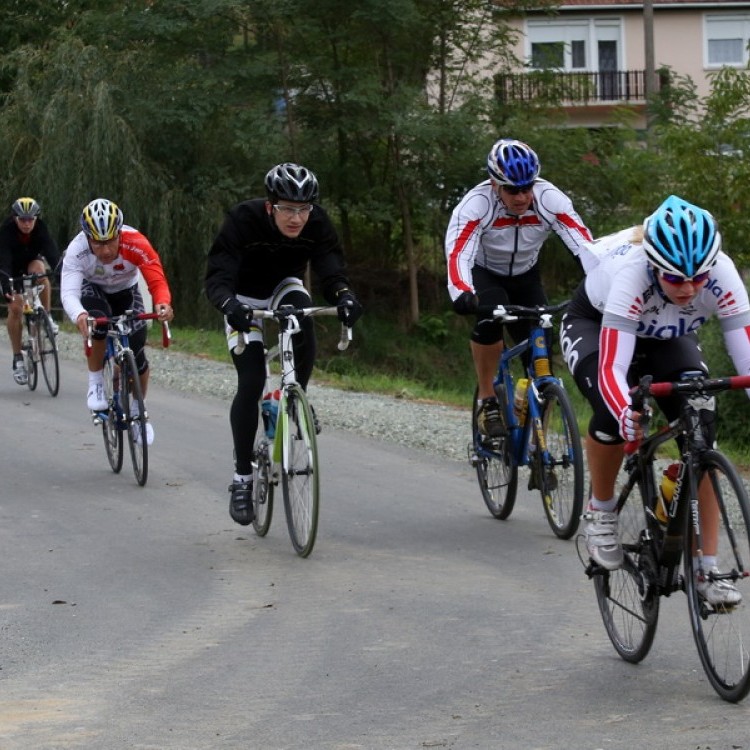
[(125, 413), (544, 436), (285, 446), (654, 551), (39, 344)]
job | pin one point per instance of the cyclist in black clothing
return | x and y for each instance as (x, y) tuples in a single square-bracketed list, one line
[(258, 260), (25, 244)]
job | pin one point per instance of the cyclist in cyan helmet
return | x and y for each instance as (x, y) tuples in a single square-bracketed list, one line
[(100, 279), (258, 260), (26, 246), (492, 247), (636, 313)]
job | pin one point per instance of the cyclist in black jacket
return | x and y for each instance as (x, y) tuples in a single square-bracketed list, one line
[(258, 260), (25, 245)]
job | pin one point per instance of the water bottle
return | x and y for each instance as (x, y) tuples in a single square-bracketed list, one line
[(270, 410), (519, 399), (668, 484)]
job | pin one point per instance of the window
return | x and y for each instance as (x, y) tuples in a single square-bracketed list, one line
[(726, 40), (572, 45)]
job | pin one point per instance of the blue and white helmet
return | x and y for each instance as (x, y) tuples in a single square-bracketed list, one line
[(513, 163), (681, 238)]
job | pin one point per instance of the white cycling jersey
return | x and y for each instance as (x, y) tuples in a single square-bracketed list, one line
[(482, 232), (625, 290)]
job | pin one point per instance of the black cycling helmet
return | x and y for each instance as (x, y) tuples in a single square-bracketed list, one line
[(26, 208), (291, 182), (512, 163)]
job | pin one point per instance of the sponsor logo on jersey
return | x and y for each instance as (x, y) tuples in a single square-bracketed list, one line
[(653, 329)]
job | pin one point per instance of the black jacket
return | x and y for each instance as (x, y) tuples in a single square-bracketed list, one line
[(249, 255)]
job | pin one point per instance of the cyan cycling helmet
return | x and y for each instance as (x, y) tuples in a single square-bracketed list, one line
[(513, 163), (26, 208), (101, 220), (291, 182), (681, 238)]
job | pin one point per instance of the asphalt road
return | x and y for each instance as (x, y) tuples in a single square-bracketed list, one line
[(145, 618)]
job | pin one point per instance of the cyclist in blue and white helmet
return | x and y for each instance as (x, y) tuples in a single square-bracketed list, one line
[(638, 312), (492, 247), (513, 163), (681, 238)]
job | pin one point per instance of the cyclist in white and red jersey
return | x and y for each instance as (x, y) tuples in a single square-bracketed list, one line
[(492, 247), (100, 278), (636, 313)]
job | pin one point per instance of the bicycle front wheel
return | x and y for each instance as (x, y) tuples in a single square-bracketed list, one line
[(299, 470), (47, 349), (628, 597), (262, 482), (722, 631), (497, 472), (113, 441), (560, 465), (31, 352), (135, 416)]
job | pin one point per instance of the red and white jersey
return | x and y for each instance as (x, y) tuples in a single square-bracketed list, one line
[(624, 288), (482, 232), (135, 254)]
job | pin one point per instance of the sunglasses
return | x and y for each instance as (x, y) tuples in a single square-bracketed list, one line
[(513, 190), (673, 278), (292, 210)]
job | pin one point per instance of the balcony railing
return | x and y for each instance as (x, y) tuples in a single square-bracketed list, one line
[(573, 88)]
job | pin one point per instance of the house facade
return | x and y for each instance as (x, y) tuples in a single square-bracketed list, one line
[(593, 54)]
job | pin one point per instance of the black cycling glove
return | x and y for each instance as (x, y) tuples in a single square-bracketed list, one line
[(466, 303), (349, 308), (236, 314)]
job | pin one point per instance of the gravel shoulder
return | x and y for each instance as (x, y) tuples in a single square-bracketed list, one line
[(440, 430)]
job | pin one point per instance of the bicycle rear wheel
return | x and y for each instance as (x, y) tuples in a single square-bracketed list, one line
[(497, 472), (30, 352), (262, 482), (299, 471), (47, 349), (113, 440), (722, 632), (135, 416), (628, 597), (559, 468)]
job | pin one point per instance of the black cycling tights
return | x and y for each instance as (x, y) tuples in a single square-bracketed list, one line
[(251, 375)]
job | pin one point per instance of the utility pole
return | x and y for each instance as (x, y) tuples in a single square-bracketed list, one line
[(648, 49)]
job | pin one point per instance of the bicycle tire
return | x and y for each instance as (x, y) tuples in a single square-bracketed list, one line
[(135, 416), (628, 597), (262, 482), (722, 633), (111, 425), (300, 480), (497, 472), (30, 353), (47, 350), (560, 476)]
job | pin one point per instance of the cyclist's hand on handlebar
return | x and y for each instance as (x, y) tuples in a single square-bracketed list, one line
[(164, 311), (236, 314), (466, 303), (82, 323), (349, 309), (631, 429)]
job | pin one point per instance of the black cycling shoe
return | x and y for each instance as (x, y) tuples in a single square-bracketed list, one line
[(241, 502)]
